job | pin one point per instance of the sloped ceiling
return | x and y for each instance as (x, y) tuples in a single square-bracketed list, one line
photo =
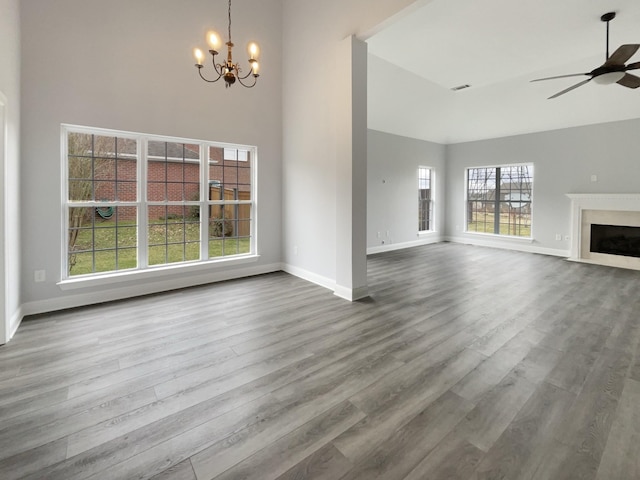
[(497, 47)]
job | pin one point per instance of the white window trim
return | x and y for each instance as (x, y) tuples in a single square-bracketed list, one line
[(155, 272), (143, 270)]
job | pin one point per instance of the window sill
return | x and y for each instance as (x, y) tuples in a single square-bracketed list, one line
[(510, 238), (153, 272), (427, 233)]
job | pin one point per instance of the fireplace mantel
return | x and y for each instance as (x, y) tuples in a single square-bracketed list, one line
[(600, 197), (611, 208)]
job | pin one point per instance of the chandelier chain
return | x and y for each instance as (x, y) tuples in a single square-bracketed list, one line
[(229, 20)]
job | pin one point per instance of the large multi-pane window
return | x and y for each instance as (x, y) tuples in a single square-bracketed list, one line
[(141, 201), (425, 199), (499, 200)]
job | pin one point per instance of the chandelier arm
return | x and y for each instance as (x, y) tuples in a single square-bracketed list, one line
[(206, 79), (255, 80), (246, 76), (216, 66)]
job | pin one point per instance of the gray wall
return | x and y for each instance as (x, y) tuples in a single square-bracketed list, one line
[(564, 161), (10, 211), (129, 66), (392, 195)]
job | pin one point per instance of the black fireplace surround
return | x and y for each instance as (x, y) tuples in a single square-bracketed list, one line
[(615, 240)]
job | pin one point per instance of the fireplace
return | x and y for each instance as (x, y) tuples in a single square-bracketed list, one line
[(606, 229)]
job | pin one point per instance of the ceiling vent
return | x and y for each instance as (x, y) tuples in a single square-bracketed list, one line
[(460, 87)]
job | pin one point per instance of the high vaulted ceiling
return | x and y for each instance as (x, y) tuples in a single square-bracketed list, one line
[(497, 47)]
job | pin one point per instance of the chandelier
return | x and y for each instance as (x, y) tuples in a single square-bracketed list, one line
[(228, 70)]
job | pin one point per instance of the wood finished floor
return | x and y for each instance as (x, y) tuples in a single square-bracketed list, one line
[(465, 363)]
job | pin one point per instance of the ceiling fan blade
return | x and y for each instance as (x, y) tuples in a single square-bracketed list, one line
[(633, 66), (621, 55), (630, 81), (569, 89), (560, 76)]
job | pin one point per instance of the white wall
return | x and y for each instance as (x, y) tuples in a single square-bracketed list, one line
[(351, 172), (312, 79), (564, 161), (392, 193), (402, 103), (10, 211), (128, 65)]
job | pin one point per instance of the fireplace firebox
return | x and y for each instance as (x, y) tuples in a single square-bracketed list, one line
[(615, 240)]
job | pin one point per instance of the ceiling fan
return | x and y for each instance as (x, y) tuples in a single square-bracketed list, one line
[(613, 70)]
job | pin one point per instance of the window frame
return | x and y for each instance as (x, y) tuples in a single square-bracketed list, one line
[(142, 204), (497, 201), (432, 210)]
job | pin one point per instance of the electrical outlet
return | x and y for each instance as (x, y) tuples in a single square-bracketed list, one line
[(378, 234), (594, 178), (558, 236), (39, 276), (295, 250)]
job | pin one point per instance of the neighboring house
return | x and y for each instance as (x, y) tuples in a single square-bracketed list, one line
[(173, 174)]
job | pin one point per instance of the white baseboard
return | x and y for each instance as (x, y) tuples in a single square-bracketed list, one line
[(15, 321), (399, 246), (146, 288), (511, 244), (309, 276), (351, 294)]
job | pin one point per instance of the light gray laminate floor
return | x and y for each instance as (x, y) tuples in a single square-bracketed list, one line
[(465, 363)]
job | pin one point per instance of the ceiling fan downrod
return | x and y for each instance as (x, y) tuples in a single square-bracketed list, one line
[(607, 17)]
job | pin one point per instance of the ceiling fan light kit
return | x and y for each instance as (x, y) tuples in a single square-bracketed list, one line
[(613, 70), (609, 78)]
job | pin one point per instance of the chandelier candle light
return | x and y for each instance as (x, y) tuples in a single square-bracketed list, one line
[(228, 70)]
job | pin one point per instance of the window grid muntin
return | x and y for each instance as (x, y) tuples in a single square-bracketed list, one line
[(83, 146), (170, 166), (141, 204), (97, 177), (179, 201), (485, 188), (230, 195), (169, 223), (94, 230), (220, 223)]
